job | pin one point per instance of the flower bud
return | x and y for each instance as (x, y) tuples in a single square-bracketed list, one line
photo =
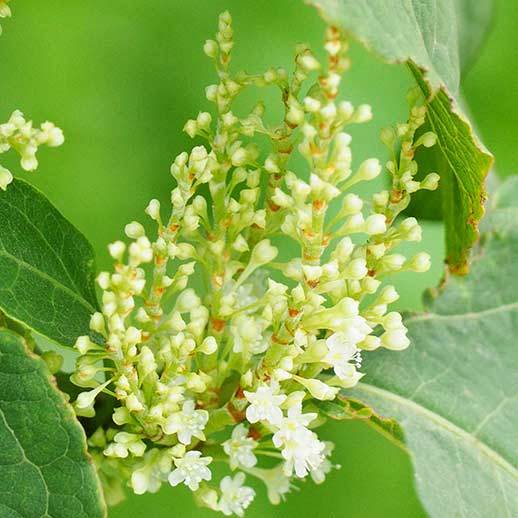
[(369, 169), (352, 204), (263, 253), (134, 230), (318, 389), (363, 113), (83, 345), (210, 48), (117, 250), (395, 339), (209, 345), (420, 262), (375, 224), (191, 128), (5, 178), (153, 210), (430, 182)]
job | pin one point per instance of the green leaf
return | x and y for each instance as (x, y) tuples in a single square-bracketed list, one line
[(44, 467), (455, 390), (46, 266), (433, 37)]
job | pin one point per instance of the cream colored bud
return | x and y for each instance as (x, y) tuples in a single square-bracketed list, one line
[(393, 262), (420, 263), (309, 63), (97, 322), (356, 269), (187, 301), (263, 253), (363, 113), (191, 128), (298, 294), (380, 199), (83, 344), (345, 109), (247, 379), (5, 178), (428, 139), (375, 224), (240, 244), (311, 105), (239, 157), (210, 48), (134, 230), (370, 343), (328, 112), (318, 389), (185, 251), (103, 280), (211, 93), (395, 339), (153, 210), (388, 295), (430, 182), (133, 404), (117, 250), (369, 169), (209, 345)]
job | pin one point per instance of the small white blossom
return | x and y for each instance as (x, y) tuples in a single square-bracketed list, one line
[(319, 474), (191, 470), (302, 451), (187, 423), (240, 448), (340, 353), (264, 405)]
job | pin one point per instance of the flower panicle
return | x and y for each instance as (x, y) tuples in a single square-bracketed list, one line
[(252, 354)]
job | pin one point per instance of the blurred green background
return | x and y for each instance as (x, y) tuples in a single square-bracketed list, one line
[(122, 77)]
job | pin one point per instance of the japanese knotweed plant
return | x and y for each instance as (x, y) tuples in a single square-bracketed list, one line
[(235, 372)]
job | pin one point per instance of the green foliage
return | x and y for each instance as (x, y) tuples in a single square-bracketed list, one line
[(455, 391), (44, 467), (434, 39), (46, 266)]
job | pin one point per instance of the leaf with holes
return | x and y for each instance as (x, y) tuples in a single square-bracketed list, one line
[(46, 266), (44, 467), (434, 39), (455, 390)]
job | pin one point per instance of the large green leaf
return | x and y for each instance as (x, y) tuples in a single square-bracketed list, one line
[(46, 266), (434, 37), (454, 392), (44, 468)]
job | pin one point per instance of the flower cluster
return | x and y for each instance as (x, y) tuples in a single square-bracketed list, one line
[(19, 134), (236, 371)]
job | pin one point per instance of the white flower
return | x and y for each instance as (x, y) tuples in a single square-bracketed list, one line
[(292, 424), (187, 423), (303, 453), (240, 448), (353, 329), (319, 474), (235, 497), (300, 446), (341, 352), (191, 470), (264, 405)]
